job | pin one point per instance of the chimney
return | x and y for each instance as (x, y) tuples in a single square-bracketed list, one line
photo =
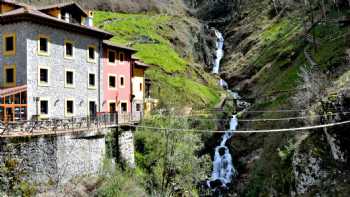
[(89, 19), (67, 17)]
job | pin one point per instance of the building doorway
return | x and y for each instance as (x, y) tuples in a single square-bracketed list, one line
[(92, 108), (112, 107)]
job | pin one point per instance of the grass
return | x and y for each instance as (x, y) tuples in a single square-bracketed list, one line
[(148, 34)]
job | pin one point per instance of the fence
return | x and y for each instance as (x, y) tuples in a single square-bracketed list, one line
[(53, 125)]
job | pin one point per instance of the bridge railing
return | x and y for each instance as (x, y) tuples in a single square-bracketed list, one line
[(100, 120)]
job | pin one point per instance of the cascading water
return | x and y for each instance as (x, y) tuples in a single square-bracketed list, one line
[(223, 169), (219, 51)]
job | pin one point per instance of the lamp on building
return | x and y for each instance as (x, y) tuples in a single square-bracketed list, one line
[(104, 102), (81, 102), (56, 101)]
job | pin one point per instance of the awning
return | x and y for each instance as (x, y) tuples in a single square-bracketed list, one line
[(12, 91)]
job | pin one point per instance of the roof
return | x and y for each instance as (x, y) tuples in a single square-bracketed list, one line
[(11, 91), (31, 14), (109, 44), (141, 64), (62, 5), (14, 3), (134, 57)]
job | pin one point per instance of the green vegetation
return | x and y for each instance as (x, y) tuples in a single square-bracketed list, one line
[(12, 179), (167, 161), (121, 184), (171, 73)]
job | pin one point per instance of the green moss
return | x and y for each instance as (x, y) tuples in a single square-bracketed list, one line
[(171, 73)]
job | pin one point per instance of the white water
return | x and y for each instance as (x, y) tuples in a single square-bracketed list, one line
[(223, 168), (219, 51)]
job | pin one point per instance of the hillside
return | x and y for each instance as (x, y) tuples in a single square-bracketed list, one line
[(288, 58), (168, 42), (291, 56)]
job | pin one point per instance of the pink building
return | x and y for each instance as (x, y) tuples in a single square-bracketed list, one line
[(117, 73)]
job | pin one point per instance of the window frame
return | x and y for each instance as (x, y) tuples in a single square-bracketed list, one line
[(121, 54), (120, 80), (88, 54), (120, 106), (116, 81), (65, 49), (9, 66), (109, 105), (115, 57), (66, 114), (88, 106), (4, 43), (89, 86), (41, 83), (48, 107), (141, 87), (66, 85), (44, 53), (136, 107)]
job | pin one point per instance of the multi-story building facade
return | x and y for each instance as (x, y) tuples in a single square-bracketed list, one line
[(138, 88), (55, 64), (57, 59), (117, 70)]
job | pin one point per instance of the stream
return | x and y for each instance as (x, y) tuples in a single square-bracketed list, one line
[(223, 169)]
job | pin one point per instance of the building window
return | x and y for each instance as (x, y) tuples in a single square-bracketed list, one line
[(141, 88), (43, 45), (43, 76), (9, 44), (92, 108), (112, 107), (124, 107), (91, 54), (121, 57), (69, 108), (9, 75), (138, 107), (92, 80), (68, 49), (111, 56), (44, 107), (122, 81), (69, 81), (112, 81)]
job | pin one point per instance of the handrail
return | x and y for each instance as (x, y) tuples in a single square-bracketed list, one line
[(52, 125)]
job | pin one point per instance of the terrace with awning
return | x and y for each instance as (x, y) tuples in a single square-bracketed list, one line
[(13, 104)]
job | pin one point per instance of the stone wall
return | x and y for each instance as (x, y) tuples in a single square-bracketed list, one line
[(126, 148), (55, 159), (19, 58), (56, 92)]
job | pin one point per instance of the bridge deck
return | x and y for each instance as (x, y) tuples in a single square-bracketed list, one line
[(63, 126)]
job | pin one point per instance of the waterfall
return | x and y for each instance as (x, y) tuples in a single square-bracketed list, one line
[(223, 169), (219, 51)]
